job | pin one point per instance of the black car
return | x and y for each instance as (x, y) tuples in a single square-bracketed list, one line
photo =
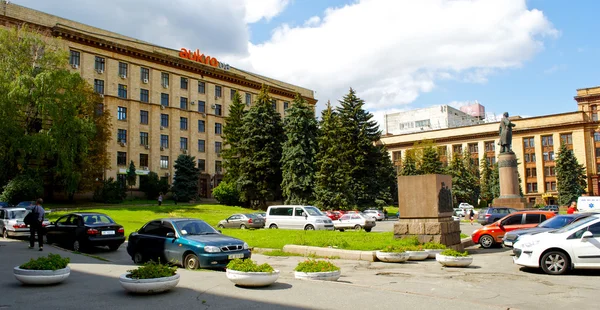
[(552, 223), (492, 214), (80, 231)]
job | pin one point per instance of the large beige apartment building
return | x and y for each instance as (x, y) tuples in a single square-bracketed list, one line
[(536, 141), (164, 102)]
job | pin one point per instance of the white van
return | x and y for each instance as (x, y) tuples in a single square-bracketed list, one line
[(297, 217), (588, 204)]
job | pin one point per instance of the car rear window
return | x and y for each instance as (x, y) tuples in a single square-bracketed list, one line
[(533, 218), (251, 216)]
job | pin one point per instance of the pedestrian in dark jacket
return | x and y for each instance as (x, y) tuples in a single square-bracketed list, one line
[(36, 225)]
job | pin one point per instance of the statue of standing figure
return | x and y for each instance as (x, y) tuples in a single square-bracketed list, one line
[(506, 134)]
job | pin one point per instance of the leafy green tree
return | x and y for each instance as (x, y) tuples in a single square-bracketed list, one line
[(409, 164), (485, 183), (185, 184), (464, 181), (299, 151), (232, 135), (22, 188), (260, 149), (430, 161), (151, 185), (131, 177), (495, 181), (473, 177), (332, 180), (227, 194), (571, 178), (359, 132)]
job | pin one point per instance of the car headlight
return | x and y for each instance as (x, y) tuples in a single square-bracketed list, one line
[(319, 221), (211, 249), (246, 246)]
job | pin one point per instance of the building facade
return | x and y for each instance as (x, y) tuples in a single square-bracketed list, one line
[(536, 141), (163, 102), (436, 117)]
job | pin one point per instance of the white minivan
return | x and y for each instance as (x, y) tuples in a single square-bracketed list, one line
[(297, 217), (588, 204)]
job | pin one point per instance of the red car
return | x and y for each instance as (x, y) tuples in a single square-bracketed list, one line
[(333, 215), (489, 235)]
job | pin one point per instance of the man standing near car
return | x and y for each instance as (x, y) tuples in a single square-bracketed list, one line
[(36, 225), (572, 208)]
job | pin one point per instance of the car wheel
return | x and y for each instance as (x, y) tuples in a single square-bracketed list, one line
[(242, 226), (486, 241), (555, 263), (368, 229), (220, 226), (309, 227), (4, 233), (191, 262), (76, 246), (357, 227), (273, 226), (138, 258), (341, 229), (114, 247)]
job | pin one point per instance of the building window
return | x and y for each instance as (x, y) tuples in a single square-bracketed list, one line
[(594, 113), (201, 87), (164, 162), (248, 98), (99, 86), (122, 135), (531, 172), (532, 187), (183, 123), (122, 113), (164, 120), (164, 141), (232, 93), (164, 79), (548, 156), (99, 109), (201, 126), (218, 91), (144, 95), (184, 83), (183, 143), (218, 109), (183, 103), (566, 138), (528, 142), (442, 150), (597, 152), (201, 106), (549, 171), (201, 146), (218, 146), (99, 64), (144, 74), (457, 148), (423, 123), (530, 158), (143, 138), (286, 105), (122, 69), (551, 186), (218, 128), (547, 141), (490, 146), (122, 91), (202, 164), (121, 158), (396, 156), (218, 167), (596, 136), (144, 117), (75, 58), (143, 160), (473, 148), (164, 99), (491, 160), (274, 104)]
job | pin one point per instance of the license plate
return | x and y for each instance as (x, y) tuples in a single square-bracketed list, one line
[(108, 232), (234, 256), (508, 243)]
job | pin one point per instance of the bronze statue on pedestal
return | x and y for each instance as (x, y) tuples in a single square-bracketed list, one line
[(505, 134)]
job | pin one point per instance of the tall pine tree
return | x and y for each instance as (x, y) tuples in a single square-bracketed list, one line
[(185, 184), (299, 151), (232, 135), (387, 178), (485, 183), (430, 161), (571, 178), (463, 180), (332, 180), (260, 148), (409, 164)]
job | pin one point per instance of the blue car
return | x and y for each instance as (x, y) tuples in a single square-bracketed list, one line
[(187, 242)]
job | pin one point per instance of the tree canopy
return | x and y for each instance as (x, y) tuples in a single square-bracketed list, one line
[(571, 177)]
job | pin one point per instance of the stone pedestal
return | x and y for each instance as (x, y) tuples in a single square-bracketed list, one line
[(509, 183), (425, 206)]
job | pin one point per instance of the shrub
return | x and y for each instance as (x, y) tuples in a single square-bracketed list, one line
[(110, 191), (402, 248), (433, 246), (248, 265), (50, 262), (152, 270), (454, 253), (22, 188), (312, 265), (227, 194)]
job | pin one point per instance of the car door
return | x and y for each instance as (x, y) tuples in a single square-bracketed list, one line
[(345, 221), (234, 221), (532, 220), (61, 227), (299, 218), (172, 253), (510, 223), (150, 243), (586, 251), (3, 220)]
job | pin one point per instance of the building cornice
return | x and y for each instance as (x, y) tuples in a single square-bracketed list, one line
[(587, 98)]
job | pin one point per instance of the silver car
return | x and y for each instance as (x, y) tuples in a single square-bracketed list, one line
[(242, 221), (356, 221), (375, 214), (11, 222)]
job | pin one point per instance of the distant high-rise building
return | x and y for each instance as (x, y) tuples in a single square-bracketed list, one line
[(432, 118)]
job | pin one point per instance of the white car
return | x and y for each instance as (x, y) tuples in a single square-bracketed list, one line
[(376, 214), (356, 221), (576, 245), (464, 205)]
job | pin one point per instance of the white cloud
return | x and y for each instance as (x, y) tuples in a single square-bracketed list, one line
[(267, 9)]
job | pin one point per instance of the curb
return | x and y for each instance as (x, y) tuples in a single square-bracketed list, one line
[(330, 252)]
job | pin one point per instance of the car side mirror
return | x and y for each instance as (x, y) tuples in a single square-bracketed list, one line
[(227, 220), (586, 235), (305, 216), (219, 231), (171, 235), (501, 225)]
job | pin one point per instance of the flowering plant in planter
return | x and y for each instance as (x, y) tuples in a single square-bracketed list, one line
[(152, 270), (150, 278), (454, 253), (452, 258), (248, 265), (43, 270), (312, 265), (51, 262), (433, 246), (245, 272)]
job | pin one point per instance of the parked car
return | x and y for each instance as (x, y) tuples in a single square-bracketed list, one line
[(26, 204), (188, 242), (553, 223), (242, 221), (492, 214), (11, 222), (261, 214), (492, 234), (332, 215), (376, 214), (459, 212), (553, 208), (356, 221), (80, 231), (4, 204), (464, 205), (297, 217), (556, 252)]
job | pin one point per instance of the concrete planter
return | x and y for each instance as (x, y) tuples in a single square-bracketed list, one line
[(252, 279), (452, 261), (323, 276), (417, 255), (41, 277), (392, 257), (433, 253), (148, 286)]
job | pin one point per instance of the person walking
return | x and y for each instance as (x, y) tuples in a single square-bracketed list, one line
[(160, 199), (471, 216), (572, 208), (36, 225)]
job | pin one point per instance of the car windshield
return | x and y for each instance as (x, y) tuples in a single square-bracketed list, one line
[(575, 225), (313, 211), (251, 216), (92, 219), (556, 222), (17, 214), (194, 227)]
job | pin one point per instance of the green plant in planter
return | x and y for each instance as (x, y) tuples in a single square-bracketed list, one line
[(50, 262), (248, 265), (311, 265), (152, 270), (450, 252), (433, 246), (394, 249)]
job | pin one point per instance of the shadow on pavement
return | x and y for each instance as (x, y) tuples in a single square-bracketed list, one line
[(572, 272)]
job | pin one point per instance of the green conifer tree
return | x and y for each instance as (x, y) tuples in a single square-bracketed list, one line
[(232, 134), (185, 183), (409, 164), (131, 177), (571, 178), (430, 161)]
